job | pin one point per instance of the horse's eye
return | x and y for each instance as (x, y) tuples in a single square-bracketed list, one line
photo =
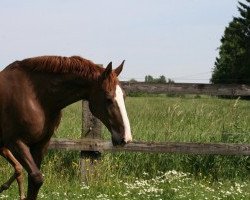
[(110, 101)]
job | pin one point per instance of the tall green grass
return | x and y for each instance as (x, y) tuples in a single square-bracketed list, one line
[(131, 175)]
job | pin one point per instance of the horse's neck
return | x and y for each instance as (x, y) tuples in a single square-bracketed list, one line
[(59, 91)]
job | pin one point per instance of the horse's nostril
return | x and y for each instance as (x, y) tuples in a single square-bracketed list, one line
[(123, 142)]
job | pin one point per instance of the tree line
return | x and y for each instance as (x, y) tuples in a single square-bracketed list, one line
[(151, 79)]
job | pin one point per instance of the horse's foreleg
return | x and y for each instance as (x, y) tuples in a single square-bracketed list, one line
[(22, 152), (37, 153), (18, 174)]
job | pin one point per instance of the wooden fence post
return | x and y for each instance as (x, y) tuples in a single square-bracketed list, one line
[(91, 128)]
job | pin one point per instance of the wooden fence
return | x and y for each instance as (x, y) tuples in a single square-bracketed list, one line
[(91, 144), (96, 145)]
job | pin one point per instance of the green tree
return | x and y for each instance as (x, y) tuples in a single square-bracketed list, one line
[(162, 79), (233, 63), (132, 80), (149, 79)]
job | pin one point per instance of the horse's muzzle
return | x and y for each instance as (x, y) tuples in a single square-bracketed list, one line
[(119, 141)]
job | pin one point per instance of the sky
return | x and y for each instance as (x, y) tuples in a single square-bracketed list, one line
[(175, 38)]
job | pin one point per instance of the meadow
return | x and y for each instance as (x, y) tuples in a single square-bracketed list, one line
[(155, 176)]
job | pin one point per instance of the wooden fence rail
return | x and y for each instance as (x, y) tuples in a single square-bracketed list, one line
[(96, 145), (187, 88)]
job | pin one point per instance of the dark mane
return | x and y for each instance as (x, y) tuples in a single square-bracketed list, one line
[(57, 64)]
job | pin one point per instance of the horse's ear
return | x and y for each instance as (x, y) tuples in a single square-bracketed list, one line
[(119, 69), (107, 71)]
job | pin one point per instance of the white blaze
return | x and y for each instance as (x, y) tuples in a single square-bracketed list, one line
[(120, 101)]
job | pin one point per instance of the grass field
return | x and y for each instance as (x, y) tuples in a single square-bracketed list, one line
[(155, 176)]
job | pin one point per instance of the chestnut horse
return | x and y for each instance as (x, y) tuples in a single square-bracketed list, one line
[(32, 94)]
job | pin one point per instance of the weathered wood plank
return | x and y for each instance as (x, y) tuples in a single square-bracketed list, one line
[(152, 147), (188, 88)]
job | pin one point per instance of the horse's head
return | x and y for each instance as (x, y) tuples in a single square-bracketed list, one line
[(107, 103)]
